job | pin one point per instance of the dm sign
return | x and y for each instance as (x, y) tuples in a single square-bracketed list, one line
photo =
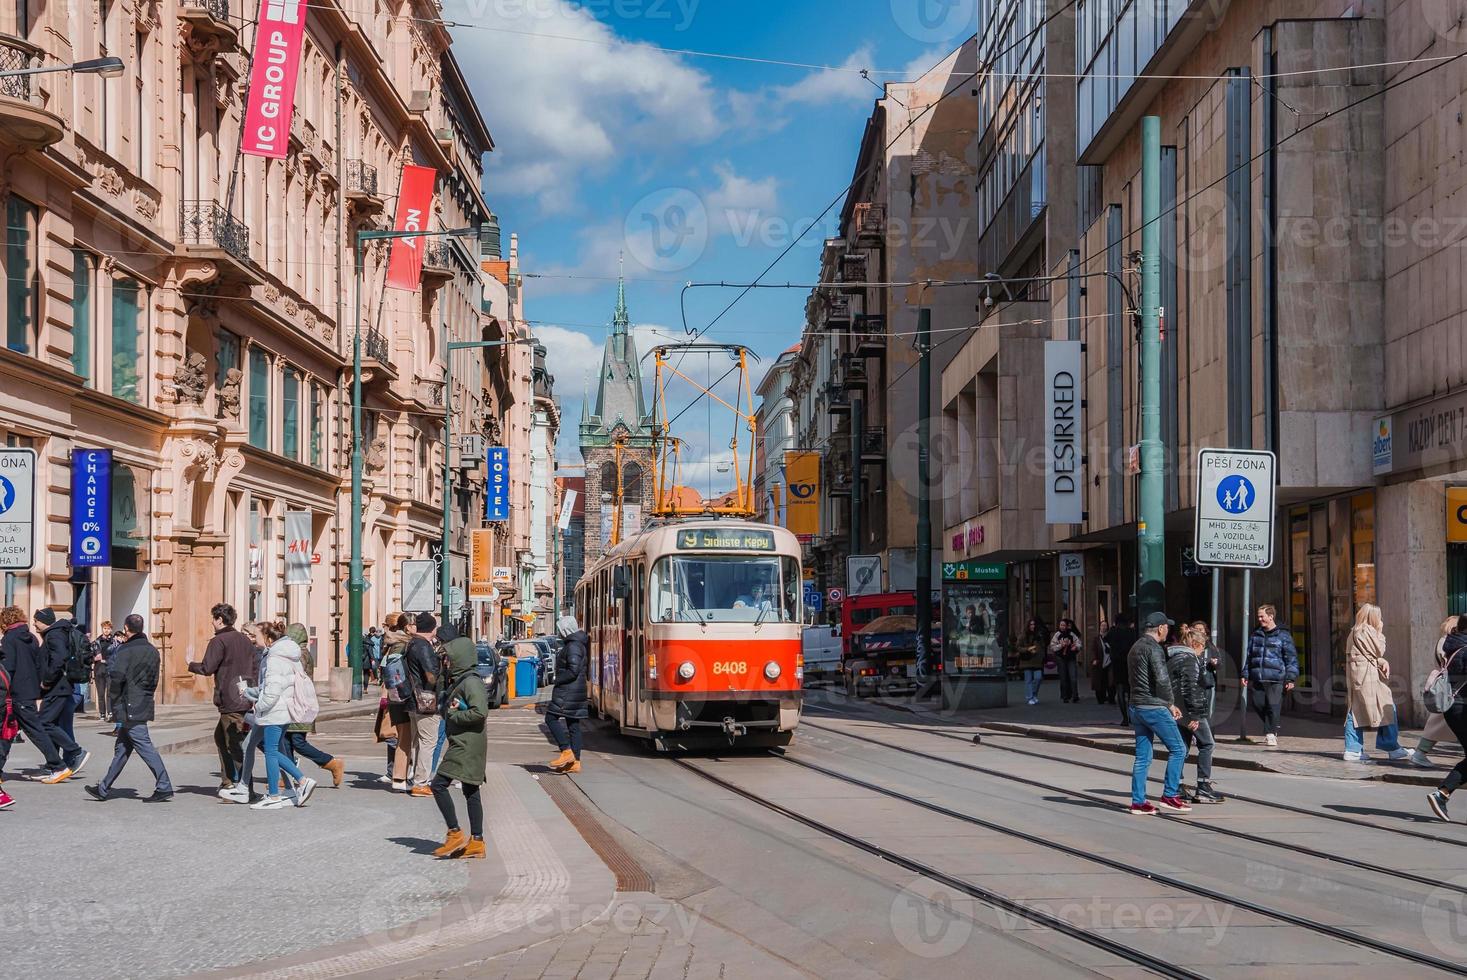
[(91, 508)]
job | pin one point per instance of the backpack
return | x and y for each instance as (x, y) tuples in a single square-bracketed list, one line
[(301, 702), (78, 665), (9, 727), (394, 677), (1437, 694)]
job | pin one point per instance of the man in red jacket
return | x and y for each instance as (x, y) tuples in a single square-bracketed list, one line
[(229, 658)]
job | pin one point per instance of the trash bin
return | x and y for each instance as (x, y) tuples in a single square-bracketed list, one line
[(525, 670)]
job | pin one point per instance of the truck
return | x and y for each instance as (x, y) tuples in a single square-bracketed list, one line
[(883, 656)]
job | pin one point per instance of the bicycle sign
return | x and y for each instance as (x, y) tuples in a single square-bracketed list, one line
[(1234, 508)]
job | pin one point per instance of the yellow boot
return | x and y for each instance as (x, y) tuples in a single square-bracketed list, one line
[(575, 766), (559, 763), (452, 844), (474, 849)]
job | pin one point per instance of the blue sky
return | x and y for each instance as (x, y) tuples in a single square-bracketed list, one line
[(695, 168)]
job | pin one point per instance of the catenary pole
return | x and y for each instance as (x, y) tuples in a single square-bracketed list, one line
[(1151, 528)]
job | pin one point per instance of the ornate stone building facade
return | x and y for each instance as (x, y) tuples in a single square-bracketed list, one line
[(188, 307)]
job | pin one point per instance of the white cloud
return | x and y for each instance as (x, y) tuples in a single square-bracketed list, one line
[(825, 87), (575, 97), (738, 200), (570, 355)]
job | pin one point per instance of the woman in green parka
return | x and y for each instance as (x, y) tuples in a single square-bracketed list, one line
[(465, 707)]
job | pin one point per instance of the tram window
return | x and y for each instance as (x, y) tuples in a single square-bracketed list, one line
[(725, 589)]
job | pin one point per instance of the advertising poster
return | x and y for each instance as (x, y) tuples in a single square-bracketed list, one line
[(974, 625)]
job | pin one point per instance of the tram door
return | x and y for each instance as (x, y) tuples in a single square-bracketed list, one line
[(631, 650)]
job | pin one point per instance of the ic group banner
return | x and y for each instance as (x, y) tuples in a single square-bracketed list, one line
[(414, 199), (274, 68)]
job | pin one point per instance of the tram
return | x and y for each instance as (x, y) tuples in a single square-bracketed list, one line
[(696, 626)]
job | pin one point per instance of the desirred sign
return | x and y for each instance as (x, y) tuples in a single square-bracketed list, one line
[(414, 202), (274, 66)]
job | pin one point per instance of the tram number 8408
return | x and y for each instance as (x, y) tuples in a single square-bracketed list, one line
[(729, 667)]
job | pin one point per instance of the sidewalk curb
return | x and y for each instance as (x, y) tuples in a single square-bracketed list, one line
[(1253, 765)]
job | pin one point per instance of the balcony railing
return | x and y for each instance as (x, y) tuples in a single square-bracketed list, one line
[(209, 225), (873, 443), (438, 254), (374, 346), (17, 55), (869, 331), (870, 222), (218, 9), (361, 178), (838, 311), (853, 271)]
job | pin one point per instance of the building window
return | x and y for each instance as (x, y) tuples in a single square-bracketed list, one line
[(259, 399), (317, 421), (227, 360), (81, 314), (129, 518), (21, 295), (290, 442), (127, 340)]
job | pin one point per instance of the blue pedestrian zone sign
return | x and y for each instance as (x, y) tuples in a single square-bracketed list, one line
[(1236, 494), (497, 502), (1235, 509)]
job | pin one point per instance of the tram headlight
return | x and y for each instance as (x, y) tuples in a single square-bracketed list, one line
[(771, 671), (686, 670)]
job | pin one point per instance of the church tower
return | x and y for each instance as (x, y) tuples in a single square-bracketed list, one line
[(620, 417)]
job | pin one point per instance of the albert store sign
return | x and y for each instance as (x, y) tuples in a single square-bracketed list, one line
[(1420, 437)]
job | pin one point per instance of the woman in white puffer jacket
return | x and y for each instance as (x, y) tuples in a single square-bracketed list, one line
[(272, 714)]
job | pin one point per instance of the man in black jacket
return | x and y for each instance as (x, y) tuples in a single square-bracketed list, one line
[(1154, 713), (57, 706), (421, 666), (20, 655), (229, 658), (1119, 641), (134, 684)]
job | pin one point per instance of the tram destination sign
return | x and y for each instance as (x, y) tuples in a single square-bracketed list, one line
[(730, 538), (1235, 509)]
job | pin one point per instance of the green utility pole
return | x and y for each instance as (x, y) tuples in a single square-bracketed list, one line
[(355, 584), (924, 492), (1151, 528)]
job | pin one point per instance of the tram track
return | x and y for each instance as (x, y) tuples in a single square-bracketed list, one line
[(1039, 916), (1126, 773), (1243, 835), (987, 896)]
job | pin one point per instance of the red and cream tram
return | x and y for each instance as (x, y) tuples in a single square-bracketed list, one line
[(695, 627)]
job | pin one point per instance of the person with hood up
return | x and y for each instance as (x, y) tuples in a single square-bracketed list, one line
[(568, 698), (57, 706), (272, 713), (1367, 681), (295, 733), (465, 710), (20, 657)]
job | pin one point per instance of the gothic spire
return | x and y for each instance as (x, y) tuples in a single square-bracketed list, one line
[(622, 318)]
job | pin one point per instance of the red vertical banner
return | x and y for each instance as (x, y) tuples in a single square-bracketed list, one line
[(274, 67), (414, 199)]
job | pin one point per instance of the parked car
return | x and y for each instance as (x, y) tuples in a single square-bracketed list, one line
[(494, 668), (822, 650)]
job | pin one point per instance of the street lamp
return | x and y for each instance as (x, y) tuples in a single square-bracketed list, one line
[(106, 67), (355, 584)]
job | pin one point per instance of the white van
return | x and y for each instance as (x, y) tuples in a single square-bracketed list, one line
[(822, 648)]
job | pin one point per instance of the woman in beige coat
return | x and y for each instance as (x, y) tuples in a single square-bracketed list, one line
[(1367, 677), (1436, 725)]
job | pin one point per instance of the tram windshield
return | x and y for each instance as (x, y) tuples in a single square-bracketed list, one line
[(725, 589)]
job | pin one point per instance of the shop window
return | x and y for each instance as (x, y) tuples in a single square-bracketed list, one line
[(318, 423), (1456, 579), (82, 266), (227, 359), (1362, 540), (129, 517), (1298, 586), (127, 340), (259, 399), (290, 442), (22, 297)]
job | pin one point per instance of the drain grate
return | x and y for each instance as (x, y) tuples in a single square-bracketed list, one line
[(630, 876)]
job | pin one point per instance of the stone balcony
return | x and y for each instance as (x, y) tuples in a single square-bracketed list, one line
[(210, 29), (437, 261), (24, 120), (207, 230), (362, 193)]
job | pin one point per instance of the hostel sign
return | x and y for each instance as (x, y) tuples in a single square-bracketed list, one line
[(1234, 508)]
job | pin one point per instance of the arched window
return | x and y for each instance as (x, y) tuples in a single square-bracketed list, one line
[(631, 483)]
